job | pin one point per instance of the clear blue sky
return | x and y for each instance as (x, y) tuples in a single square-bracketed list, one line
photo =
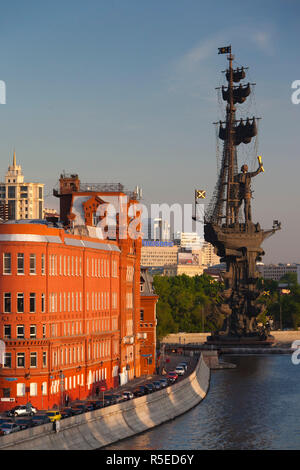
[(123, 90)]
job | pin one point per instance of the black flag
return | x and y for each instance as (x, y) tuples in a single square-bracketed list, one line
[(224, 50)]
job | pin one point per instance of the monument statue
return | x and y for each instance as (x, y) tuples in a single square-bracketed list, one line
[(244, 191), (237, 240)]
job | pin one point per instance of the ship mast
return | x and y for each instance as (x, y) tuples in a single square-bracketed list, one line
[(230, 142), (225, 198)]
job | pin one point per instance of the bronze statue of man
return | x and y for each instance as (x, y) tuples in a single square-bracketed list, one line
[(244, 190)]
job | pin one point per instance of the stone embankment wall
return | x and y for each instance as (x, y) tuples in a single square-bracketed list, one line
[(108, 425), (185, 338)]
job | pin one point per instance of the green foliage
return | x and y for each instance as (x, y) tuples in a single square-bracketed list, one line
[(187, 304)]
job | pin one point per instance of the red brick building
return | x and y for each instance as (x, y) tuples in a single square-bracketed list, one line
[(71, 300), (148, 323)]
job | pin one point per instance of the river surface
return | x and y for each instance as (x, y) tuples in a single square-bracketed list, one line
[(255, 406)]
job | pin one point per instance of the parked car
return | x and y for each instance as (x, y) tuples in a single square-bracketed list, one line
[(54, 415), (6, 420), (172, 376), (110, 399), (120, 398), (99, 403), (180, 370), (150, 387), (80, 406), (40, 419), (24, 422), (66, 412), (140, 391), (9, 428), (78, 409), (89, 406), (157, 384), (22, 410), (128, 395), (164, 383), (96, 404)]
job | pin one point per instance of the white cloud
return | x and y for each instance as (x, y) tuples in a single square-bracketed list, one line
[(263, 40)]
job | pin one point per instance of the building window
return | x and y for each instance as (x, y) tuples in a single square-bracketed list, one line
[(6, 263), (20, 360), (20, 331), (7, 360), (44, 388), (44, 331), (7, 331), (33, 359), (43, 303), (20, 390), (20, 302), (40, 209), (142, 315), (7, 302), (32, 264), (32, 302), (32, 331), (20, 263), (6, 392), (33, 389), (43, 264), (11, 192), (45, 359)]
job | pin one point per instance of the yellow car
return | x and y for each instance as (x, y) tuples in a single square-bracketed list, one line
[(54, 415)]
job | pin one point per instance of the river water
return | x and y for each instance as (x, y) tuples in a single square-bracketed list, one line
[(255, 406)]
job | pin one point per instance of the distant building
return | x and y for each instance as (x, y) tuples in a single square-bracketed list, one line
[(173, 259), (190, 240), (189, 270), (20, 200), (209, 256), (277, 271), (157, 256), (216, 271), (156, 229)]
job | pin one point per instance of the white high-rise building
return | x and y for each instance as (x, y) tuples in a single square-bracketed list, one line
[(156, 229), (22, 200)]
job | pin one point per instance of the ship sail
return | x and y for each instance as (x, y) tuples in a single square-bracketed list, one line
[(243, 133), (239, 94), (237, 75)]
